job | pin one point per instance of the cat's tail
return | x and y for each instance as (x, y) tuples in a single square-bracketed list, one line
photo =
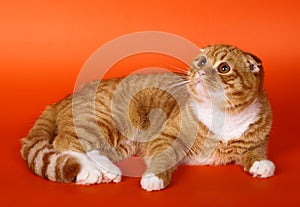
[(40, 155)]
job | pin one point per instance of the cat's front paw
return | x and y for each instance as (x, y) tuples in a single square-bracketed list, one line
[(88, 175), (151, 182), (110, 172), (262, 169)]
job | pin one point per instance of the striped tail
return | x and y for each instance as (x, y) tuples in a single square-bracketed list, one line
[(40, 155)]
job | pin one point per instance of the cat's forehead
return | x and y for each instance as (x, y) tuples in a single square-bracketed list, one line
[(236, 58), (220, 52)]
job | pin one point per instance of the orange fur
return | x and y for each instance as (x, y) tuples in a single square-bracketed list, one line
[(119, 125)]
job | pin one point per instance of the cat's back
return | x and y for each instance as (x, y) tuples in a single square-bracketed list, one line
[(143, 91)]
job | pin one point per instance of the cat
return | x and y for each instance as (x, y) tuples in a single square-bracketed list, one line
[(216, 113)]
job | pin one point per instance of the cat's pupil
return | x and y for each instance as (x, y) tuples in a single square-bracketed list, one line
[(223, 68)]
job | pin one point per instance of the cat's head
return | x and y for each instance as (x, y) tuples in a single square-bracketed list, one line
[(230, 78)]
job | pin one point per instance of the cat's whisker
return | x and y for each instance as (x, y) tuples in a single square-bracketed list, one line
[(228, 99), (221, 91), (179, 69), (172, 74), (181, 87), (178, 87), (127, 124), (179, 83), (176, 76), (180, 90)]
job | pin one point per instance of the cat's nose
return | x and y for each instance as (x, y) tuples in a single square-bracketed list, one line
[(201, 73)]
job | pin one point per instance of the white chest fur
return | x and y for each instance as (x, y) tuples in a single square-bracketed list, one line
[(226, 126)]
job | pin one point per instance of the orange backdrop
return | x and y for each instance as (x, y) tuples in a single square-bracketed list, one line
[(44, 44)]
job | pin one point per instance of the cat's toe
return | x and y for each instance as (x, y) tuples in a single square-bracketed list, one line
[(262, 169), (110, 172), (151, 182), (88, 175), (112, 175)]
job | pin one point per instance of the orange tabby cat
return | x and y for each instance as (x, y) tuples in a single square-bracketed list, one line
[(217, 113)]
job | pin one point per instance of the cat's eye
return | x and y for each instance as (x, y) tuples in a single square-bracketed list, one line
[(224, 68), (202, 62)]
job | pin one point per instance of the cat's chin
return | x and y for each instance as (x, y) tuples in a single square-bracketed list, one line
[(198, 91)]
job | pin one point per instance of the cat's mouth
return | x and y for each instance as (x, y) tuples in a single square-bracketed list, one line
[(197, 86), (197, 80)]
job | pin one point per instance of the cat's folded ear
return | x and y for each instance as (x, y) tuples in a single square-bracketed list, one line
[(255, 63)]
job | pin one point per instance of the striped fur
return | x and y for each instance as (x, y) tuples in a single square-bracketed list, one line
[(153, 116), (231, 93), (41, 157)]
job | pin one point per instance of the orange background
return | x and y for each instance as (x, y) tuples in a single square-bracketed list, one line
[(44, 44)]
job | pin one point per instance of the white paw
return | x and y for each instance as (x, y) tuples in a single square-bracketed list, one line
[(151, 182), (110, 172), (262, 169), (89, 173)]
